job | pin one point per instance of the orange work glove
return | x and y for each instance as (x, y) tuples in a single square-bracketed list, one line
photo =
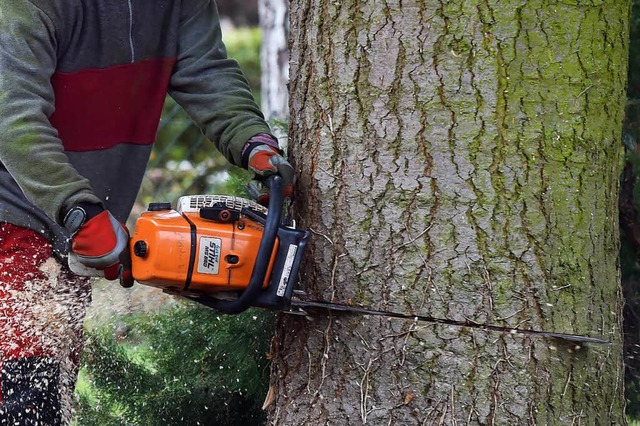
[(265, 159), (98, 239)]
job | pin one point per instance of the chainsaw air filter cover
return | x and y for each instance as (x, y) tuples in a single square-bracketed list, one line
[(208, 244)]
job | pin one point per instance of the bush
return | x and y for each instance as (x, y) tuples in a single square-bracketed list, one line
[(187, 365)]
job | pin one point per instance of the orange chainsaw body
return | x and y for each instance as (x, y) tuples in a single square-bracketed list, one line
[(184, 252)]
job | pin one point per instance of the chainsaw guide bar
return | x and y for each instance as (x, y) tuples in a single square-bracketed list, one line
[(302, 305)]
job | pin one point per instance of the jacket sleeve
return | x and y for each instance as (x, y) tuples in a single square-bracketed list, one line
[(210, 86), (30, 148)]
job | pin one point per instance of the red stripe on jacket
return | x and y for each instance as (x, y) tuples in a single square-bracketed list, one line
[(100, 108)]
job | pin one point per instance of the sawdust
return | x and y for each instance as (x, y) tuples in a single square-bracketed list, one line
[(44, 315), (43, 311)]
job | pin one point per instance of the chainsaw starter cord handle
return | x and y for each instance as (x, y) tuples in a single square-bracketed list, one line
[(265, 251)]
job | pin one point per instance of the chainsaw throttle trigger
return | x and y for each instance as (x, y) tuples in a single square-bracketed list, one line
[(125, 273)]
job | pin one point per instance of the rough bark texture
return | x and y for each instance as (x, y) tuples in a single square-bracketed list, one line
[(457, 159)]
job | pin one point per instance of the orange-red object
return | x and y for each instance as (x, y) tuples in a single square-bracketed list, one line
[(184, 252)]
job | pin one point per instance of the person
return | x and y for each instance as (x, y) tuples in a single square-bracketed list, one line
[(82, 85)]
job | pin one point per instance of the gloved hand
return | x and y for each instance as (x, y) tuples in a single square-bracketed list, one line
[(264, 158), (98, 240)]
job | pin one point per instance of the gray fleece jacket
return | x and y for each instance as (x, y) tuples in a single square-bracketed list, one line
[(82, 84)]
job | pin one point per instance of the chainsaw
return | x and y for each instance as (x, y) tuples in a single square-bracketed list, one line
[(230, 253)]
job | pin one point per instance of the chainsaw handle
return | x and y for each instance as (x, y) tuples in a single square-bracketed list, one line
[(265, 251)]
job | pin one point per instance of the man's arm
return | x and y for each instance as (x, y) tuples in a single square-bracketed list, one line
[(30, 148), (211, 87)]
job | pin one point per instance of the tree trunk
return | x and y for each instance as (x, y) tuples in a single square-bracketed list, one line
[(458, 159), (274, 59)]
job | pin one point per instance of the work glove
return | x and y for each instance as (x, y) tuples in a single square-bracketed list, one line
[(262, 155), (99, 242)]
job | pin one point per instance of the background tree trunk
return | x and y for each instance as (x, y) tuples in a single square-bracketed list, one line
[(457, 159), (274, 59)]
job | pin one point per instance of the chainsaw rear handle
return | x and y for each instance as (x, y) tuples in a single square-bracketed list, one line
[(265, 251)]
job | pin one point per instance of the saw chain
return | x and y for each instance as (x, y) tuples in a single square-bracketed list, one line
[(303, 305)]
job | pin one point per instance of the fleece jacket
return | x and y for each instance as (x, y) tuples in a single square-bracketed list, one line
[(82, 85)]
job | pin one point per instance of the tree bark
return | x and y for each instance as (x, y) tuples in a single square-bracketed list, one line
[(459, 159)]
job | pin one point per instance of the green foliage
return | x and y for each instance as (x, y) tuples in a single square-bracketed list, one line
[(188, 365)]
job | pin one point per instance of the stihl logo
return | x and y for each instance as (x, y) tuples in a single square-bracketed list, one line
[(209, 255)]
